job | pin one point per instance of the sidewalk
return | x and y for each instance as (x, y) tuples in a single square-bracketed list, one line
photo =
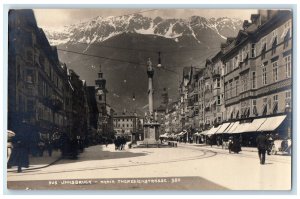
[(40, 162)]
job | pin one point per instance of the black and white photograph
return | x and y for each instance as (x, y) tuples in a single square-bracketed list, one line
[(150, 98)]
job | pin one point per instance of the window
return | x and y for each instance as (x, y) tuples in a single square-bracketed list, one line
[(275, 104), (263, 47), (286, 39), (253, 79), (230, 89), (253, 52), (288, 98), (287, 61), (100, 97), (218, 100), (30, 76), (274, 46), (264, 74), (263, 52), (286, 34), (275, 71), (218, 83), (240, 58), (236, 62), (265, 106), (245, 82), (236, 86)]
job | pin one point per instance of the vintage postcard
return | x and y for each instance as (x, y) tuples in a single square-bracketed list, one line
[(150, 99)]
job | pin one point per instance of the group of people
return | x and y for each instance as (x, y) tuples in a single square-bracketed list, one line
[(24, 143), (120, 143)]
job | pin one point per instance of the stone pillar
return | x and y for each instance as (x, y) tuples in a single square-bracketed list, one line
[(151, 128)]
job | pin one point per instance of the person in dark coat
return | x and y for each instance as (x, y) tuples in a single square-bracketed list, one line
[(49, 147), (262, 144), (20, 153), (64, 144), (236, 146)]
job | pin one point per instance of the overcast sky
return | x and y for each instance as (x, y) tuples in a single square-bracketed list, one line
[(54, 18)]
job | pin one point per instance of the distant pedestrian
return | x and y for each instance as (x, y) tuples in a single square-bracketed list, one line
[(49, 147), (262, 144)]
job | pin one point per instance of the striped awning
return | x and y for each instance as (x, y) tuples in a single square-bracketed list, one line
[(271, 123)]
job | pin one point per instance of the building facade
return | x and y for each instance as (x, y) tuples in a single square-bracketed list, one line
[(249, 78), (259, 66), (128, 125), (41, 89)]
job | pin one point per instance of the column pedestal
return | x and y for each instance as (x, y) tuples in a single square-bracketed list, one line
[(151, 134)]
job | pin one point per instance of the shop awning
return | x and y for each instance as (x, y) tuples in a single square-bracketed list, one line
[(222, 128), (271, 123), (252, 127), (232, 127), (204, 132), (241, 127), (212, 130)]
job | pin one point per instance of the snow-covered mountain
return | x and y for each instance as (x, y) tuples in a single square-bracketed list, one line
[(100, 29), (135, 38)]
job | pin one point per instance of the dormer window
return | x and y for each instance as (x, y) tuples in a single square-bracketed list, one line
[(263, 47)]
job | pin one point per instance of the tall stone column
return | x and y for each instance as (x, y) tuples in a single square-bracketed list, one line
[(150, 73), (151, 128)]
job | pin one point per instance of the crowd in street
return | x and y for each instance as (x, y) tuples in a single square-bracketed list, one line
[(120, 143), (23, 145)]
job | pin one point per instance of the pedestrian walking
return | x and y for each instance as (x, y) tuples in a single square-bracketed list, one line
[(262, 143)]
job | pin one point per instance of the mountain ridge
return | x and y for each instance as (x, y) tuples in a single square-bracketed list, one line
[(99, 29), (182, 43)]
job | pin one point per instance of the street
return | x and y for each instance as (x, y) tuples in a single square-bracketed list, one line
[(187, 167)]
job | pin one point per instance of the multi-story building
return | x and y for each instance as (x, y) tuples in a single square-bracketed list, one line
[(218, 87), (35, 77), (172, 118), (258, 67), (43, 93), (105, 127), (127, 125), (248, 79), (183, 91)]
